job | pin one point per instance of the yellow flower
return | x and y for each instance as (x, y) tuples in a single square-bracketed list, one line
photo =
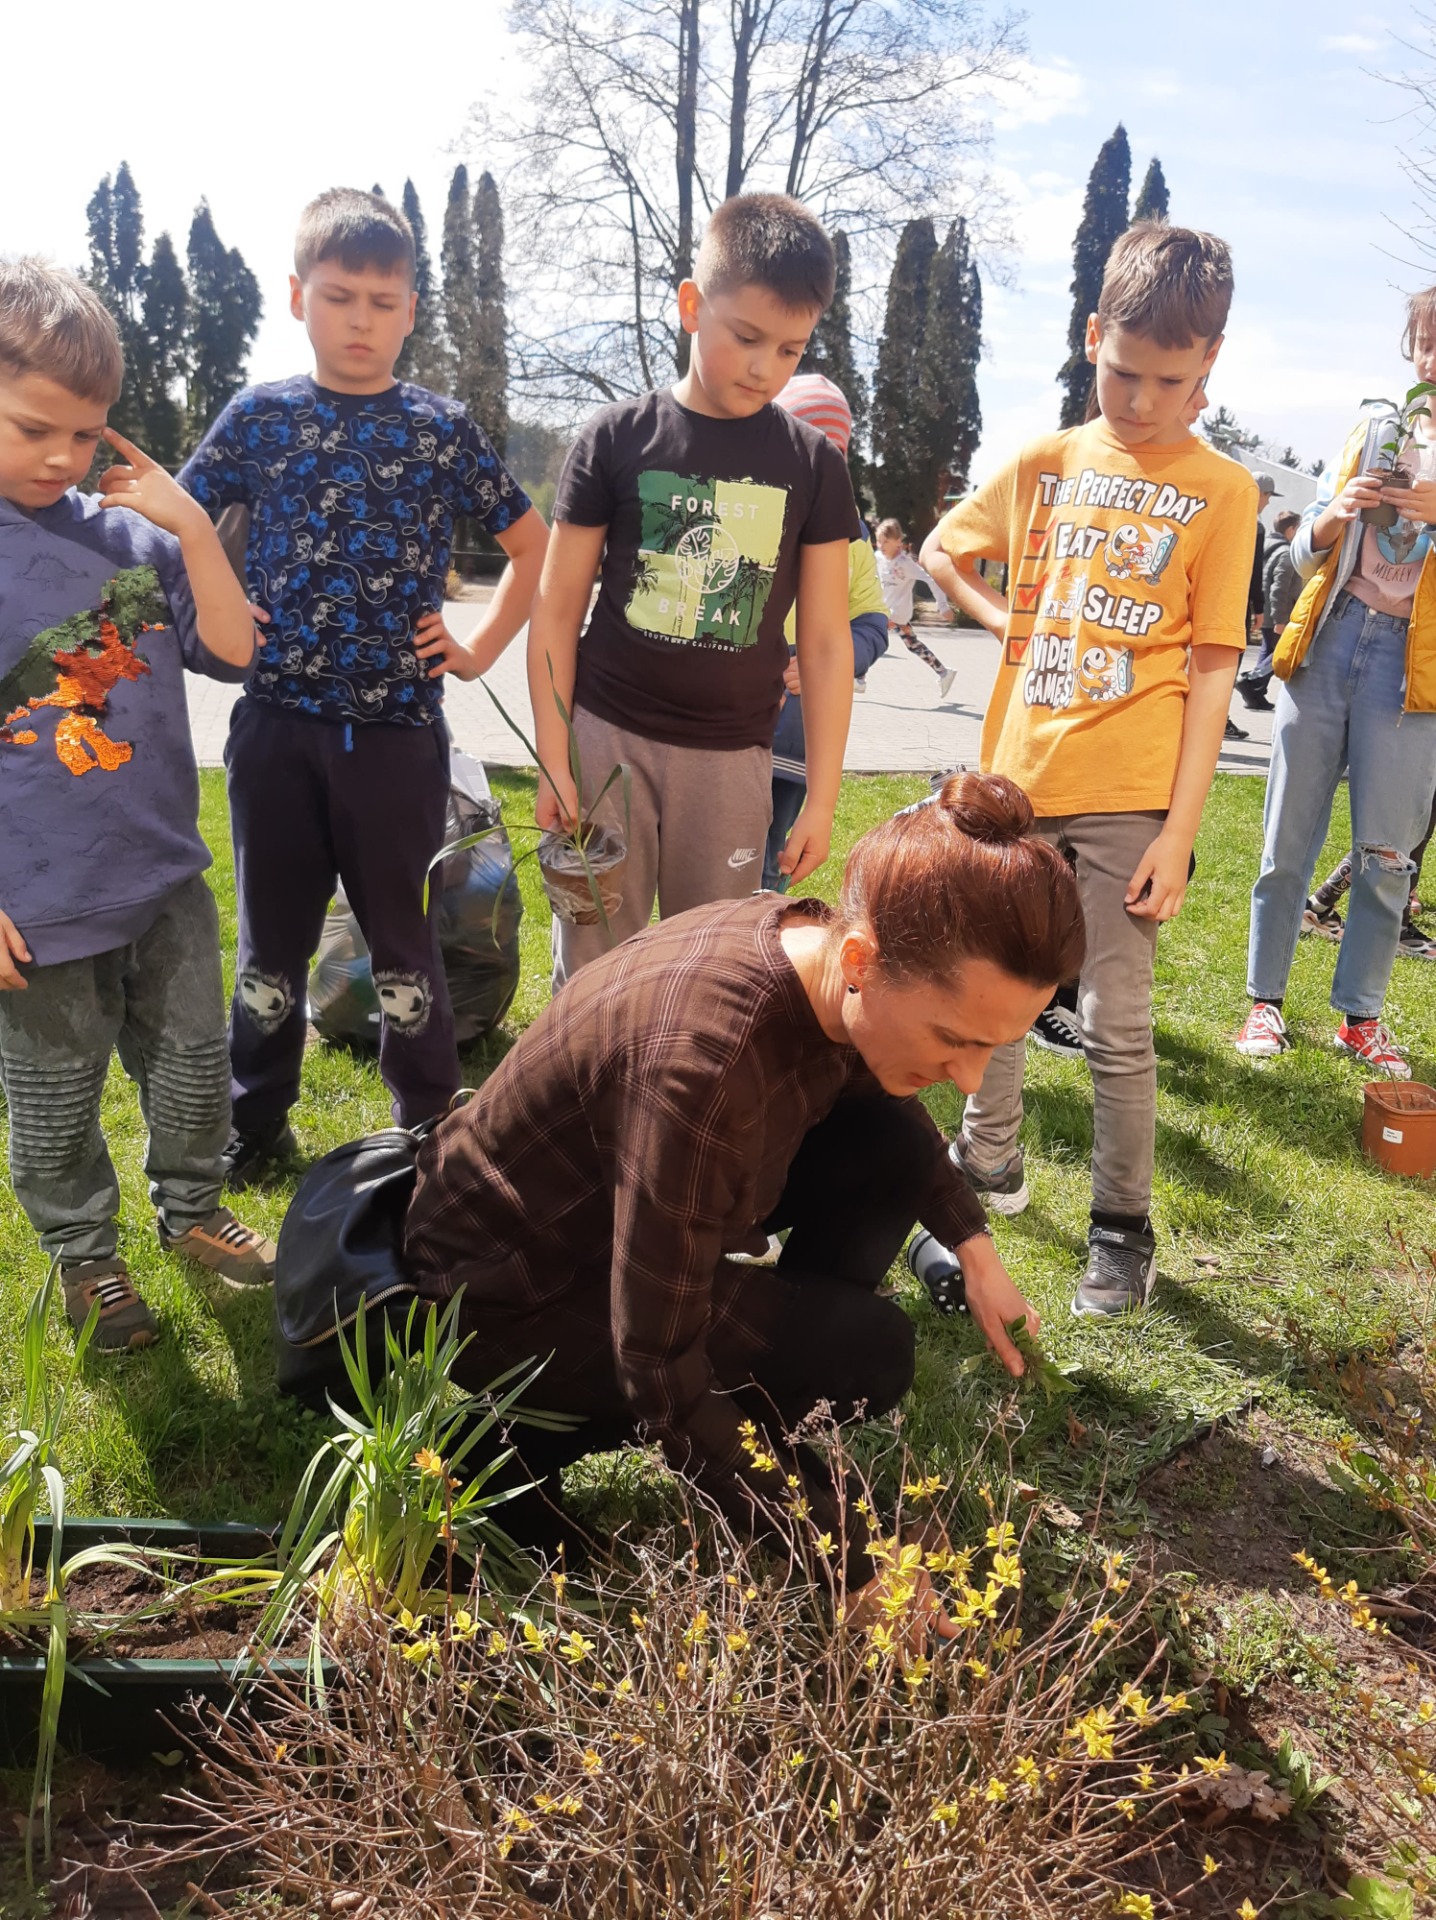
[(625, 1685), (428, 1462), (681, 1670), (1127, 1807), (917, 1672), (533, 1638), (571, 1803), (1002, 1536), (698, 1628), (996, 1790), (420, 1651), (1095, 1728), (925, 1488), (464, 1626), (1175, 1702), (833, 1811), (638, 1620), (1138, 1705), (1104, 1623), (1246, 1911), (796, 1760), (281, 1750), (825, 1545), (1007, 1568), (591, 1761), (497, 1643), (978, 1668), (1215, 1768), (945, 1814), (1009, 1639), (1139, 1905), (516, 1817), (1209, 1866), (1146, 1779), (737, 1641), (576, 1648), (1426, 1712), (1027, 1772)]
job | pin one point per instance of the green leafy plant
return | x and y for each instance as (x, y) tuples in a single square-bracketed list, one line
[(584, 832), (1405, 414), (378, 1501), (1056, 1382)]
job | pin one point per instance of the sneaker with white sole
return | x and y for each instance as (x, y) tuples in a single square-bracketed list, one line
[(1415, 942), (1321, 923), (226, 1246), (1121, 1272), (946, 682), (860, 686), (1264, 1032), (1057, 1030), (1369, 1042), (124, 1321), (1003, 1192)]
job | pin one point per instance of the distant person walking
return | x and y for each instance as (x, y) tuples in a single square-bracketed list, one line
[(898, 574), (1281, 586)]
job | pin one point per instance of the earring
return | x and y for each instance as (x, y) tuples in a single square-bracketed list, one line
[(852, 989)]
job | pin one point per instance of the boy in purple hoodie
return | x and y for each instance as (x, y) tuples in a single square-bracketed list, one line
[(109, 936)]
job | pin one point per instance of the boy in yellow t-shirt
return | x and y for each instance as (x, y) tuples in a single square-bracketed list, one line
[(1128, 545)]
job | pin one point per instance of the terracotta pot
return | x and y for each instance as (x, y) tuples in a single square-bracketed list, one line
[(1398, 1127), (566, 881), (1385, 515)]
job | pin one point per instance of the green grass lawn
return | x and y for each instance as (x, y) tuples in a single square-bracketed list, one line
[(1258, 1171)]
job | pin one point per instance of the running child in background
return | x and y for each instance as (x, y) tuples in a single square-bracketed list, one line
[(898, 574), (814, 398), (338, 755), (1357, 671), (1128, 544), (109, 936)]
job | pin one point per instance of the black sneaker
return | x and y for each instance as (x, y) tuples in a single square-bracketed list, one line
[(1322, 923), (1056, 1030), (1002, 1192), (1415, 942), (249, 1155), (1121, 1271), (1253, 693), (1234, 732)]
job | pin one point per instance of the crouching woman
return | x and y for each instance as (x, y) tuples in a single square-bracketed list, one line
[(744, 1069)]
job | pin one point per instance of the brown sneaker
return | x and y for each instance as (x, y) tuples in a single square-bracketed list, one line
[(227, 1247), (124, 1320)]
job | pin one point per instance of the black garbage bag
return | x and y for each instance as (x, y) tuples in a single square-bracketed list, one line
[(480, 946)]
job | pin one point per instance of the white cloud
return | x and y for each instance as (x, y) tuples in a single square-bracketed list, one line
[(1351, 43), (1037, 94)]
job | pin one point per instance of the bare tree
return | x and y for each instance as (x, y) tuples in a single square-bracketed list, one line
[(643, 114)]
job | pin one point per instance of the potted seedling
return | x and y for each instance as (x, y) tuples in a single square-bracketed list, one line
[(1388, 468), (582, 864)]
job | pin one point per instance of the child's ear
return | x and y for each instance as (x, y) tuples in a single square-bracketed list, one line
[(1212, 351), (1094, 337), (689, 298), (296, 296), (413, 310)]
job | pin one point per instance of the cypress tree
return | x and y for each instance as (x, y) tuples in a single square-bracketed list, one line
[(460, 290), (1153, 200), (165, 312), (488, 398), (117, 235), (897, 481), (426, 354), (948, 425), (830, 352), (1104, 217), (224, 314)]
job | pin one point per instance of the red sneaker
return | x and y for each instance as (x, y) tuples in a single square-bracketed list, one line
[(1264, 1032), (1370, 1043)]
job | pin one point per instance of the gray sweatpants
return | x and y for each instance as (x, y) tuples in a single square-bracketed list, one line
[(1115, 1003), (160, 1000), (697, 830)]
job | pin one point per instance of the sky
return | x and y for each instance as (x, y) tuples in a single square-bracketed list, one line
[(1272, 124)]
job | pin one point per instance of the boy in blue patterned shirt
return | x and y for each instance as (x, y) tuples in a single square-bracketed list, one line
[(338, 756)]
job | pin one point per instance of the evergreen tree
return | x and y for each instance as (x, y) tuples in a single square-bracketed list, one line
[(1153, 200), (165, 335), (898, 480), (225, 308), (1104, 217), (830, 352), (426, 355), (460, 288), (488, 397), (948, 422), (117, 239)]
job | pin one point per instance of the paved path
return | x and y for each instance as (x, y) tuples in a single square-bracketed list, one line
[(898, 726)]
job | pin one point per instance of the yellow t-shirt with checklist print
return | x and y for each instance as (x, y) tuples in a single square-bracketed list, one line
[(1120, 559)]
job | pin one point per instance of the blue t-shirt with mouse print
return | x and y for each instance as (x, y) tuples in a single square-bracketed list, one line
[(352, 501)]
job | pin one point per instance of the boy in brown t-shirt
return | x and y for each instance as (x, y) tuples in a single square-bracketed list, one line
[(706, 511), (1127, 543)]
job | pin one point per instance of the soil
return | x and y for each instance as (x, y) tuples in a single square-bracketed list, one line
[(185, 1631)]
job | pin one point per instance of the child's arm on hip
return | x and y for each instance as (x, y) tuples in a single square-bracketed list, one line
[(525, 544), (825, 667), (1210, 679), (967, 591), (559, 607)]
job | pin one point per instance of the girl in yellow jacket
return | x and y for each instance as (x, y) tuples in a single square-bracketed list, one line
[(1357, 666)]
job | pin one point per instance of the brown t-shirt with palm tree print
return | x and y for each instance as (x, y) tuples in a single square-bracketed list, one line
[(704, 520)]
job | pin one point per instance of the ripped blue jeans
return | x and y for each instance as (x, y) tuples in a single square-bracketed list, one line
[(1341, 713)]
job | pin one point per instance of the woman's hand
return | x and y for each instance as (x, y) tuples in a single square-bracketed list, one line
[(1416, 502), (993, 1300), (920, 1616)]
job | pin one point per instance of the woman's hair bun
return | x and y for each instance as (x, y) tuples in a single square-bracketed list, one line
[(986, 806)]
